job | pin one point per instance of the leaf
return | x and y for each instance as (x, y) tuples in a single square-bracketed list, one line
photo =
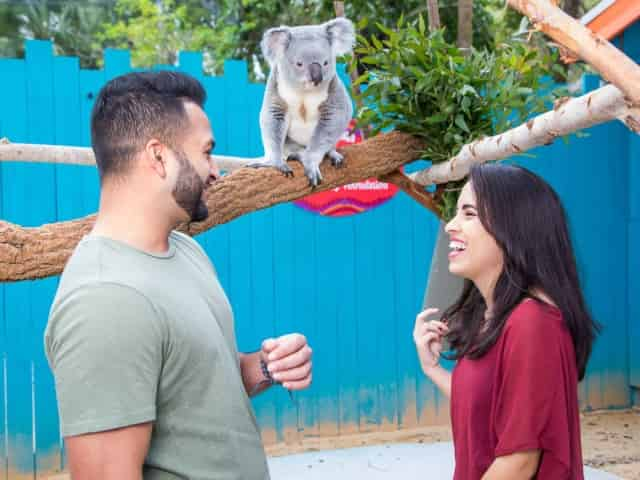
[(421, 26), (370, 60), (460, 122), (468, 89)]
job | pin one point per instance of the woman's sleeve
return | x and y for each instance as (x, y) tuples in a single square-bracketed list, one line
[(532, 406)]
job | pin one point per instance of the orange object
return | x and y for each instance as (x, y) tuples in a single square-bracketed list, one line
[(616, 18)]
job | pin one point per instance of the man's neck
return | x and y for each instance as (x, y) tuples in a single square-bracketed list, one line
[(128, 219)]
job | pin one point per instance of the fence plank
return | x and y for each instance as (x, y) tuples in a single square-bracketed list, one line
[(405, 308), (425, 228), (341, 240), (327, 298), (304, 259), (15, 193), (41, 125), (286, 318)]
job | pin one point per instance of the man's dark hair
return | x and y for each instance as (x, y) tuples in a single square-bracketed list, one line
[(133, 108)]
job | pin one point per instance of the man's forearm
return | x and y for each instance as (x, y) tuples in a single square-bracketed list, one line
[(251, 372)]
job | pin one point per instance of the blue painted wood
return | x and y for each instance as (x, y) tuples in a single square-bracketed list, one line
[(305, 286), (327, 299), (405, 306), (3, 333), (386, 329), (341, 240), (40, 99), (15, 193), (632, 48)]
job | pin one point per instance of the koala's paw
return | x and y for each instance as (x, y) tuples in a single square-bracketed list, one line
[(312, 172), (278, 165), (337, 159), (311, 167)]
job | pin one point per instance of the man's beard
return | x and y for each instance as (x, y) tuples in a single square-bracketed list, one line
[(188, 190)]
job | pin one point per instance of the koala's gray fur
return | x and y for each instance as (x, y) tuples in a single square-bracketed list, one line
[(306, 107)]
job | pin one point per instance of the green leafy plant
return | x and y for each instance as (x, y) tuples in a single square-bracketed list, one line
[(419, 83)]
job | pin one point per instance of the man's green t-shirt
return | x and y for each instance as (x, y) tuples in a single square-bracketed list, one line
[(135, 337)]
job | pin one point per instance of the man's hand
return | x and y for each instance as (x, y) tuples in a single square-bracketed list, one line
[(288, 359)]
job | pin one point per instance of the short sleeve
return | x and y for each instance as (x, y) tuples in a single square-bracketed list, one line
[(531, 409), (104, 344)]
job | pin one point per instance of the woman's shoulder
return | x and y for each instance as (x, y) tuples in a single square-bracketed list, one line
[(531, 314)]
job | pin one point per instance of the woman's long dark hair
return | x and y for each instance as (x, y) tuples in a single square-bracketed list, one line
[(525, 217)]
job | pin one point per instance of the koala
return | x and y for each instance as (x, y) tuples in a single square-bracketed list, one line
[(306, 107)]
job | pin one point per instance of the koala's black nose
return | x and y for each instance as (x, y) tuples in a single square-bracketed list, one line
[(315, 71)]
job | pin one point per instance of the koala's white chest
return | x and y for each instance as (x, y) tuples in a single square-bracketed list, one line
[(302, 111)]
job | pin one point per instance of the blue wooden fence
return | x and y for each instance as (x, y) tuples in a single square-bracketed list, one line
[(353, 284)]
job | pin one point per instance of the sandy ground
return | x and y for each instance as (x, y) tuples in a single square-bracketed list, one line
[(610, 441)]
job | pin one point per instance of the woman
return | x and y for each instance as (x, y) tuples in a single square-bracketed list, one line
[(520, 332)]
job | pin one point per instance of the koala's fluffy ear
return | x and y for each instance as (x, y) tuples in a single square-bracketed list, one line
[(342, 35), (274, 43)]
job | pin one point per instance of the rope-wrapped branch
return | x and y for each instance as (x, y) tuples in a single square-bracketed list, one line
[(29, 253)]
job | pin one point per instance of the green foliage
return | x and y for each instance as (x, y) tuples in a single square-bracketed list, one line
[(156, 31), (10, 41), (71, 26), (240, 24), (419, 83)]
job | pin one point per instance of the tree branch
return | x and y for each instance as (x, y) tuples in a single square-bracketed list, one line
[(434, 15), (26, 152), (413, 189), (612, 64), (569, 115), (29, 253)]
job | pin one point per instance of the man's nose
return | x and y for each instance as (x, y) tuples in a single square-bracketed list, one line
[(315, 72)]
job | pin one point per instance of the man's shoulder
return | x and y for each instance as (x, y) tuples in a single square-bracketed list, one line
[(98, 299), (185, 242), (191, 247)]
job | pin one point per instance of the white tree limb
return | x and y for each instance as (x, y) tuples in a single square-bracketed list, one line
[(568, 116), (25, 152)]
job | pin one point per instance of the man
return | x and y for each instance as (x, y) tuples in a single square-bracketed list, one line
[(140, 336)]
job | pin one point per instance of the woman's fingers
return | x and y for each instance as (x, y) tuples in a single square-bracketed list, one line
[(422, 316)]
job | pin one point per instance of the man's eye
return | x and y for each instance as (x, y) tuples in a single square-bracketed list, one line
[(326, 62), (299, 64)]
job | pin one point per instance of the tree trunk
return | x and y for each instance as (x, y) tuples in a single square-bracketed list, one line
[(569, 115), (465, 24), (572, 7), (611, 63), (434, 15), (30, 253)]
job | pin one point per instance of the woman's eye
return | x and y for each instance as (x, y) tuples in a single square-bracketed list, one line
[(326, 62), (299, 64)]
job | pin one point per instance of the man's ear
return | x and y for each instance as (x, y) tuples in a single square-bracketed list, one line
[(155, 156), (274, 43), (341, 34)]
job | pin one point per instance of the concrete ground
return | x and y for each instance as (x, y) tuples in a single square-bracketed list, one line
[(406, 461)]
